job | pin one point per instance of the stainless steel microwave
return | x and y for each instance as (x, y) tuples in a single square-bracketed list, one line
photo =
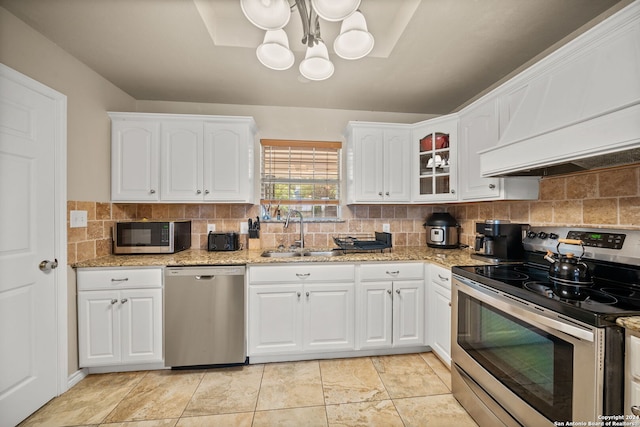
[(151, 237)]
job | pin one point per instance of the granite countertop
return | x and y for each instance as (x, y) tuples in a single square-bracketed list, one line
[(632, 323), (444, 257)]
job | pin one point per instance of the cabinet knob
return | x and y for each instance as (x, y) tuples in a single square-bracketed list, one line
[(113, 301), (123, 300), (453, 191), (398, 291), (389, 291), (198, 191), (152, 191), (307, 294), (380, 194), (387, 193), (299, 293), (206, 191), (492, 186)]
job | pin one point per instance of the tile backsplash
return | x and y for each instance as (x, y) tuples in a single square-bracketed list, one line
[(607, 198)]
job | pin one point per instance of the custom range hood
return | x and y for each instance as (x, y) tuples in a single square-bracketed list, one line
[(577, 109)]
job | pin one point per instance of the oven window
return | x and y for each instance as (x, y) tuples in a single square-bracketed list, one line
[(533, 364)]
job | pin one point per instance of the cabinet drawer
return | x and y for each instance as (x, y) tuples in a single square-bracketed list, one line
[(441, 276), (302, 273), (393, 271), (118, 278), (633, 353)]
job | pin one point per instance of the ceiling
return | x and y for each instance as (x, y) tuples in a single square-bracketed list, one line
[(430, 57)]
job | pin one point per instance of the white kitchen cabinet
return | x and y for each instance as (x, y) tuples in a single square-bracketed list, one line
[(300, 309), (378, 163), (435, 161), (439, 313), (632, 369), (479, 130), (135, 151), (390, 305), (196, 158), (119, 316)]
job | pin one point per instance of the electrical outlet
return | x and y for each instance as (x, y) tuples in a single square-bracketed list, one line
[(386, 228), (211, 228), (78, 219)]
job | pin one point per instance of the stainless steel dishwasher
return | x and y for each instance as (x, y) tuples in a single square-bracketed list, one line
[(204, 319)]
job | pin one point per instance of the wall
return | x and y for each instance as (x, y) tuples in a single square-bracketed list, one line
[(606, 198), (89, 96)]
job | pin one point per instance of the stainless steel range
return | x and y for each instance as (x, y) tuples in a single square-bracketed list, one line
[(524, 352)]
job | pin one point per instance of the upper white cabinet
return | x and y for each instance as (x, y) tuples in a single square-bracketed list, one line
[(479, 130), (378, 163), (182, 158), (135, 160), (435, 161), (581, 101)]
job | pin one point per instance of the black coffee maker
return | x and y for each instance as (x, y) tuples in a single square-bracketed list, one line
[(499, 240)]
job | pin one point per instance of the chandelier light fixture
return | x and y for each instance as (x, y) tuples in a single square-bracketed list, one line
[(353, 42)]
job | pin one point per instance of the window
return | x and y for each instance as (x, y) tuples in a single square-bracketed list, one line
[(301, 175)]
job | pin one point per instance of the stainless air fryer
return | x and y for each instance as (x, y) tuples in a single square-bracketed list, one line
[(443, 231)]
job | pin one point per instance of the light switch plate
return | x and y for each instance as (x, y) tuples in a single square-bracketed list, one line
[(244, 228), (78, 219)]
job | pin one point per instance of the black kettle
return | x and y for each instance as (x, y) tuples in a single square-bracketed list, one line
[(569, 275)]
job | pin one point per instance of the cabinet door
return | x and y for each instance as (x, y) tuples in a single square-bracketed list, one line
[(135, 146), (478, 131), (329, 317), (228, 162), (98, 328), (181, 157), (435, 166), (374, 310), (275, 321), (440, 321), (408, 313), (397, 164), (368, 176), (141, 325)]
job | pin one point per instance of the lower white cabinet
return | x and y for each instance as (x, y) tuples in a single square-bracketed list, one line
[(301, 308), (439, 312), (632, 376), (119, 316), (390, 305)]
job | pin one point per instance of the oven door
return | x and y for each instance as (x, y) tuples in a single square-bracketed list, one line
[(529, 364)]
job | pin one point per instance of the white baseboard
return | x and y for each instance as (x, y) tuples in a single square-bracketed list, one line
[(76, 377)]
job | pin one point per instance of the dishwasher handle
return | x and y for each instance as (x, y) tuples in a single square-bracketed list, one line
[(205, 277)]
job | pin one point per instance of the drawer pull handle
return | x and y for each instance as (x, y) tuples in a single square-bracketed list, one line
[(446, 279), (393, 273), (120, 280), (303, 275)]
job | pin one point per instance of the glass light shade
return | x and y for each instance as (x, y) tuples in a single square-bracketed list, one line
[(274, 52), (335, 10), (316, 64), (354, 40), (267, 14)]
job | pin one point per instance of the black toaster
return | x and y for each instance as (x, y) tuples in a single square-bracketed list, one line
[(223, 242)]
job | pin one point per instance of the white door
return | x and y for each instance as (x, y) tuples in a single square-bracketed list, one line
[(397, 160), (32, 221), (368, 160), (181, 154), (408, 313), (329, 317), (98, 328), (141, 325), (375, 310)]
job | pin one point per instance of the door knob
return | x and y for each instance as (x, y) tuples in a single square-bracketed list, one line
[(47, 265)]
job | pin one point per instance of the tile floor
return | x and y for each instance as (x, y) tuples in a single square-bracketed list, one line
[(403, 390)]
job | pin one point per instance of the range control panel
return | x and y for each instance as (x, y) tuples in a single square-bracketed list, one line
[(598, 239)]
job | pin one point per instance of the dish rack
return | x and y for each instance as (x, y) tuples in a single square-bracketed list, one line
[(360, 242)]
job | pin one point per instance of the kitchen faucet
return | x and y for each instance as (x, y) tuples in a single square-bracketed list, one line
[(286, 225)]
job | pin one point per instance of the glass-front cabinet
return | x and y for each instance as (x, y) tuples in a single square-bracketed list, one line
[(435, 159)]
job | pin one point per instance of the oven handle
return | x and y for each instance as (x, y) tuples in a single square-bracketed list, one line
[(574, 331)]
